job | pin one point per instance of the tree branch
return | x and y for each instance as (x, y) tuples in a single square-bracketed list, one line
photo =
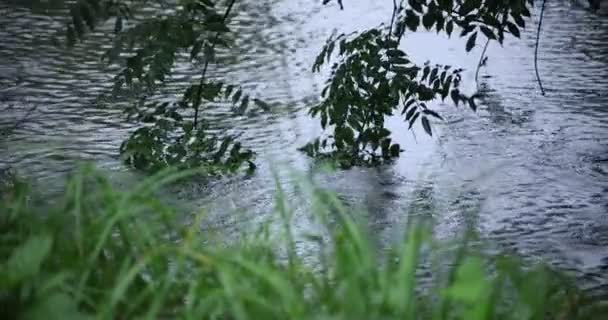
[(203, 74)]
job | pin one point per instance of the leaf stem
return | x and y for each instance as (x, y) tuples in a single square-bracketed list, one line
[(540, 23), (197, 102), (483, 53), (395, 8)]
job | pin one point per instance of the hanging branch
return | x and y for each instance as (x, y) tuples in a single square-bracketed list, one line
[(540, 23), (202, 81)]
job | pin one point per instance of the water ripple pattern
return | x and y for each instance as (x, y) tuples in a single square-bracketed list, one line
[(529, 172)]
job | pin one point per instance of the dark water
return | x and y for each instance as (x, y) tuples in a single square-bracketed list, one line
[(530, 172)]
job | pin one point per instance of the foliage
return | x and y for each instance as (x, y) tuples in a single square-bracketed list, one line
[(97, 252), (172, 133), (373, 78), (172, 141)]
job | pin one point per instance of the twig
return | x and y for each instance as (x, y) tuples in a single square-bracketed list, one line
[(390, 30), (402, 31), (202, 81), (483, 53), (540, 23)]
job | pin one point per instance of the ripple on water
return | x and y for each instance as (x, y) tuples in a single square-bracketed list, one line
[(528, 171)]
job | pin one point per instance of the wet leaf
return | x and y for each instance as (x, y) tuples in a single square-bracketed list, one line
[(196, 49), (265, 106), (472, 104), (449, 27), (471, 42), (513, 29), (519, 20), (413, 120), (118, 25), (395, 150), (428, 20), (432, 113), (427, 126), (410, 113), (411, 20), (487, 32), (25, 261)]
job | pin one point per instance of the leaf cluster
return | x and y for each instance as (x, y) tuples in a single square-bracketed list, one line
[(169, 139), (172, 134), (374, 78), (493, 19)]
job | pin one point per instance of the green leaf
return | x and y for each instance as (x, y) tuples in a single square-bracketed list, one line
[(222, 149), (471, 42), (265, 106), (513, 29), (208, 3), (416, 5), (427, 126), (87, 15), (472, 104), (228, 91), (395, 150), (217, 26), (470, 283), (468, 6), (410, 113), (433, 75), (413, 120), (445, 5), (118, 25), (237, 96), (395, 53), (407, 105), (440, 22), (196, 49), (411, 20), (77, 22), (428, 20), (487, 32), (209, 52), (519, 20), (455, 95), (55, 306), (210, 91), (26, 260), (467, 29), (244, 104), (432, 113), (449, 27), (425, 72)]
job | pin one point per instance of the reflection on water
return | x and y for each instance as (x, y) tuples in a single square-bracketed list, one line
[(528, 171)]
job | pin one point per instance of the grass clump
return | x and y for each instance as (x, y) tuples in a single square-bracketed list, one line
[(98, 253)]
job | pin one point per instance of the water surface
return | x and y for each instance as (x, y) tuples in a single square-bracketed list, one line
[(529, 172)]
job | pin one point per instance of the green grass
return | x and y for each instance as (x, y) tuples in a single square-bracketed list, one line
[(102, 253)]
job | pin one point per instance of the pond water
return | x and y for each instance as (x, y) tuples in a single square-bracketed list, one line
[(529, 171)]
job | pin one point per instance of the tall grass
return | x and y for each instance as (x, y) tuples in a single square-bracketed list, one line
[(107, 254)]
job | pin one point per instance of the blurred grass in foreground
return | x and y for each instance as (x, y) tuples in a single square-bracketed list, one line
[(107, 254)]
